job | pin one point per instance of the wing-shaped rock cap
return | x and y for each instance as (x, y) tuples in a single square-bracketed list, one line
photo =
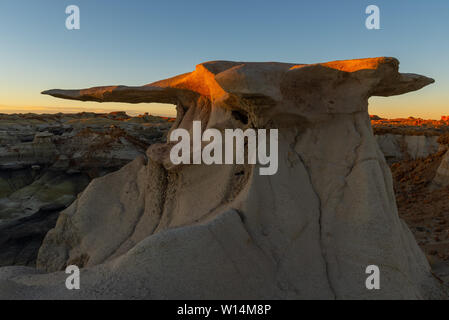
[(226, 94), (217, 80)]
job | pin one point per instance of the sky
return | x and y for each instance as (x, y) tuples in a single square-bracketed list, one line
[(136, 42)]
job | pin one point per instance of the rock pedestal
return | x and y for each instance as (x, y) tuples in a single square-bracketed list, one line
[(155, 230)]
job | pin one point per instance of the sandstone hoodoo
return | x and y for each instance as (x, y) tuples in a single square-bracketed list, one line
[(159, 230)]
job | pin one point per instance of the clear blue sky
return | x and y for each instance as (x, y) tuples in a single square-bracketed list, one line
[(135, 42)]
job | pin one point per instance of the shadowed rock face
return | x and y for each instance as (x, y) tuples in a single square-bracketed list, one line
[(224, 231), (46, 160)]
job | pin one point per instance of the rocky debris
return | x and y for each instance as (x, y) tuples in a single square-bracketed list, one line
[(421, 182), (47, 160), (424, 205), (197, 231)]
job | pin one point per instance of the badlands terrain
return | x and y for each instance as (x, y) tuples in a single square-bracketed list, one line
[(47, 160), (155, 230), (417, 151)]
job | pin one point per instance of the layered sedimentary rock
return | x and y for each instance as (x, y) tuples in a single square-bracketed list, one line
[(158, 230), (397, 147), (47, 160), (421, 180), (410, 138)]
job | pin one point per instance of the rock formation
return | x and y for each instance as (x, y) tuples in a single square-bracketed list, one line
[(47, 160), (397, 147), (441, 178), (154, 230), (410, 138), (423, 205)]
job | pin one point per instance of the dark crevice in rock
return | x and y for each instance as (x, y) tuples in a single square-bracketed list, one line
[(320, 218), (21, 239), (240, 116)]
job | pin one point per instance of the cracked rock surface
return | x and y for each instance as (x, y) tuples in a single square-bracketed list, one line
[(154, 230)]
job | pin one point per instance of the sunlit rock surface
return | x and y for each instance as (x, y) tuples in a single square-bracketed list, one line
[(153, 230)]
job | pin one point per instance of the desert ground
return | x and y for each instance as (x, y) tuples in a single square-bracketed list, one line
[(416, 150)]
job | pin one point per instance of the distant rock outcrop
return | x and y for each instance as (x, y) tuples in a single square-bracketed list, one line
[(397, 147), (154, 230), (47, 160), (375, 117), (410, 138), (441, 178)]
